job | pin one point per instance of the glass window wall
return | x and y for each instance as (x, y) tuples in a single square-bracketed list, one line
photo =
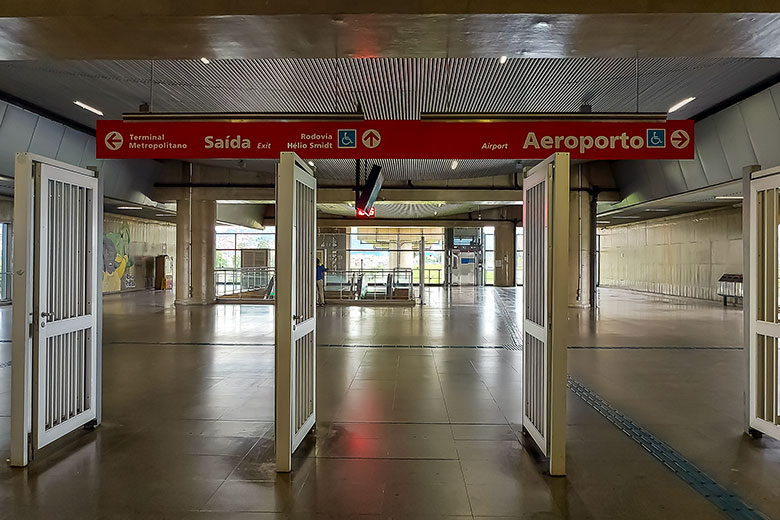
[(231, 240)]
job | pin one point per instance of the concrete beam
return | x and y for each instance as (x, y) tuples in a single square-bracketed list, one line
[(351, 222), (247, 215), (175, 9), (169, 29), (345, 195), (173, 193)]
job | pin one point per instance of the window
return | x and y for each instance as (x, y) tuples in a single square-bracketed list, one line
[(231, 240), (489, 239), (519, 255), (5, 262), (375, 248)]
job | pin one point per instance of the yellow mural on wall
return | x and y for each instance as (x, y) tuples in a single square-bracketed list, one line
[(116, 259)]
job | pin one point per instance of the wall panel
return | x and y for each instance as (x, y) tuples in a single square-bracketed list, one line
[(682, 255)]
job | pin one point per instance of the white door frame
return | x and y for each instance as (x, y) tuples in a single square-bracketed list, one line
[(761, 207), (545, 307), (26, 414), (295, 308)]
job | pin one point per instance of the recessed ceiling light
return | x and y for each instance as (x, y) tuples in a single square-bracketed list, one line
[(311, 163), (502, 59), (205, 60), (681, 104), (87, 107), (129, 208), (454, 164), (729, 197)]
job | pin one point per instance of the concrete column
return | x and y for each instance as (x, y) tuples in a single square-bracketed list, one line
[(504, 262), (195, 251), (580, 238)]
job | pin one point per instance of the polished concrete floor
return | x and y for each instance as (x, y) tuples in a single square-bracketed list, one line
[(420, 432)]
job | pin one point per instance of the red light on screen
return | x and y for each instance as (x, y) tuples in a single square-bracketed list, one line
[(359, 213)]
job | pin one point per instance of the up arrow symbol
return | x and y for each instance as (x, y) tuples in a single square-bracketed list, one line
[(371, 138)]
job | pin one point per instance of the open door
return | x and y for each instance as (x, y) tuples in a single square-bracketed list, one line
[(295, 309), (763, 307), (546, 228), (56, 307)]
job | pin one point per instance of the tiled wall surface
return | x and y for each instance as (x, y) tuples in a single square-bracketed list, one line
[(682, 255)]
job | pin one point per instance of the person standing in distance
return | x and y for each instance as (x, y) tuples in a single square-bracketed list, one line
[(321, 270)]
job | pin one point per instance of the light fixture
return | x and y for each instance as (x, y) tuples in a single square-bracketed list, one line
[(311, 163), (435, 213), (729, 197), (454, 164), (130, 208), (205, 60), (502, 59), (441, 204), (681, 104), (87, 107)]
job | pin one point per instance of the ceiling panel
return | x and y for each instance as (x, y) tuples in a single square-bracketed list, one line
[(385, 88)]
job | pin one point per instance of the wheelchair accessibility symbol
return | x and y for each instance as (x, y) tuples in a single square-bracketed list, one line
[(656, 138), (347, 139)]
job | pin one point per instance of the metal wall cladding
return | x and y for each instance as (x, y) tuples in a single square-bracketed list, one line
[(681, 256), (22, 131), (744, 134)]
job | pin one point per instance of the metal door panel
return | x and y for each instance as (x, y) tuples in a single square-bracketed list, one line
[(64, 356), (545, 223), (56, 330), (763, 308), (295, 307)]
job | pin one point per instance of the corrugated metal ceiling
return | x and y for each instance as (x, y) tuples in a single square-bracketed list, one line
[(385, 88), (404, 211)]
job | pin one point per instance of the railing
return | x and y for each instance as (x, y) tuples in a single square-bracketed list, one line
[(369, 285), (245, 283)]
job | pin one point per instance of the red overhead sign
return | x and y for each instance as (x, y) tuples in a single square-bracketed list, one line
[(394, 139)]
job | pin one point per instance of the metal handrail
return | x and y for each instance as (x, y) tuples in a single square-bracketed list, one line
[(245, 283), (369, 285)]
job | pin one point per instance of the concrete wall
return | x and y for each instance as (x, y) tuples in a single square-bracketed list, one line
[(129, 247), (682, 255)]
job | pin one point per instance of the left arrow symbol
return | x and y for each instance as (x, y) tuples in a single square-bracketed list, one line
[(114, 140)]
